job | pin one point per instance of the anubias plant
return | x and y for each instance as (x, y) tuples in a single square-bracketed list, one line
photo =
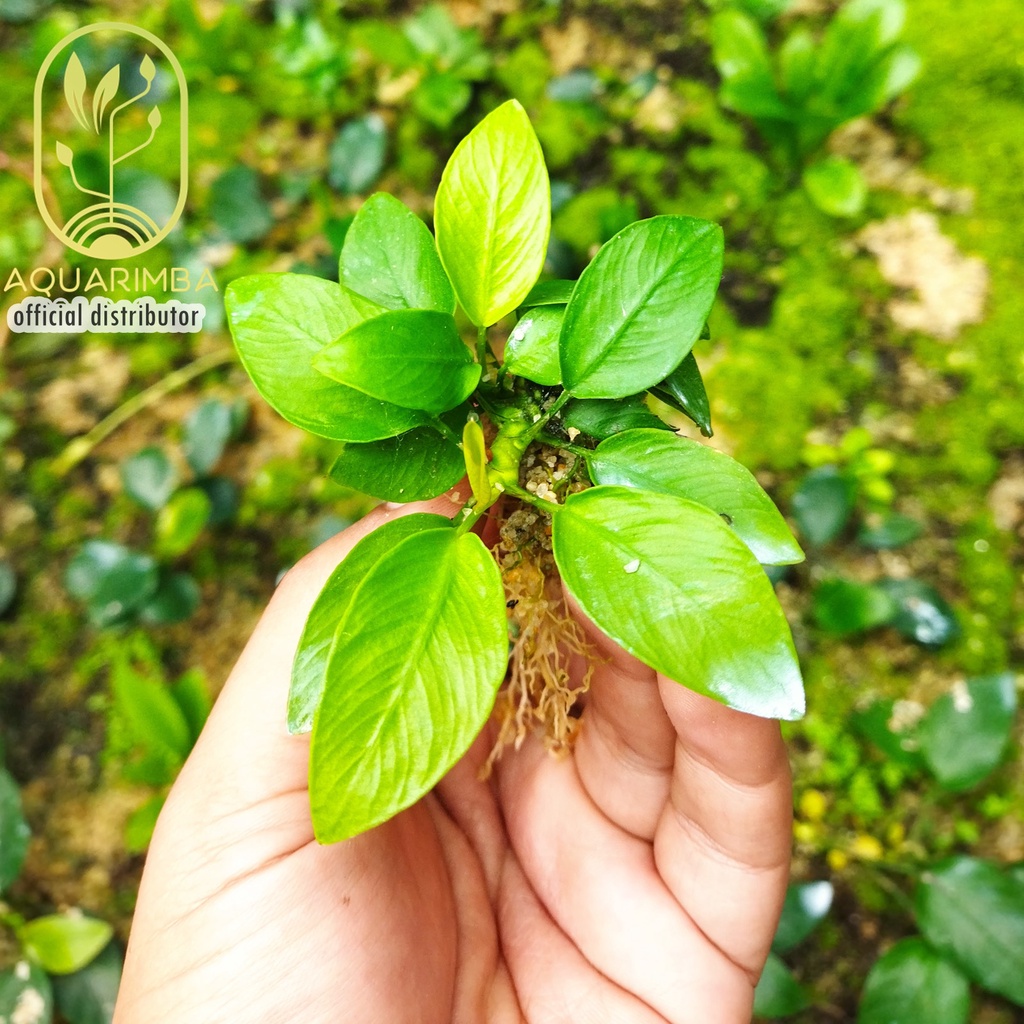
[(657, 537)]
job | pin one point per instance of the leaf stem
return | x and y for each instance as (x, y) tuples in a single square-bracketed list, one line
[(445, 431), (552, 411), (532, 499), (567, 446), (481, 346)]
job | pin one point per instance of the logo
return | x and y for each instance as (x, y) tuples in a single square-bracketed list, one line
[(122, 92)]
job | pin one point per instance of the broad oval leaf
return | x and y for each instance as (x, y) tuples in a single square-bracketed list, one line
[(181, 521), (176, 597), (149, 478), (64, 943), (112, 580), (778, 993), (922, 614), (912, 984), (14, 831), (279, 323), (492, 214), (805, 907), (683, 389), (965, 733), (414, 466), (411, 680), (972, 911), (148, 709), (836, 186), (671, 583), (640, 305), (653, 460), (823, 503), (332, 605), (356, 156), (603, 417), (413, 358), (548, 293), (26, 990), (845, 607), (389, 258), (208, 428), (532, 348)]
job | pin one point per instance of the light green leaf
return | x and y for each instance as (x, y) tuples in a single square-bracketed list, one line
[(141, 823), (778, 993), (413, 358), (836, 186), (332, 606), (14, 831), (150, 711), (440, 98), (74, 90), (149, 478), (742, 58), (103, 94), (389, 258), (64, 943), (192, 695), (548, 293), (532, 348), (970, 910), (654, 460), (805, 907), (181, 521), (411, 680), (279, 323), (638, 308), (492, 214), (796, 64), (912, 984), (718, 627), (965, 733), (603, 417), (26, 990), (683, 389), (414, 466)]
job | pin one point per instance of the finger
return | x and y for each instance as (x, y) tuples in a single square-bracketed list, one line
[(626, 744), (723, 842)]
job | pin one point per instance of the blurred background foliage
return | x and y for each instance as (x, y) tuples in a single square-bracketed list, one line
[(865, 360)]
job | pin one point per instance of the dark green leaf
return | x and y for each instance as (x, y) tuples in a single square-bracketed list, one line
[(64, 943), (893, 531), (492, 214), (548, 293), (805, 907), (356, 156), (88, 995), (207, 430), (111, 580), (411, 680), (25, 989), (683, 389), (223, 495), (836, 186), (532, 347), (279, 323), (332, 606), (181, 521), (604, 417), (237, 206), (389, 258), (640, 305), (845, 607), (14, 832), (150, 711), (874, 724), (912, 984), (972, 911), (413, 358), (149, 478), (175, 599), (823, 503), (921, 612), (778, 993), (414, 466), (718, 630), (965, 733), (653, 460), (8, 586)]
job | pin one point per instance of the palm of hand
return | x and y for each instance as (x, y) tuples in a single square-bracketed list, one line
[(637, 881)]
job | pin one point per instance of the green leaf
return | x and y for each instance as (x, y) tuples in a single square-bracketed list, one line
[(548, 293), (223, 495), (88, 995), (823, 503), (64, 943), (176, 598), (653, 460), (640, 305), (796, 64), (532, 347), (742, 58), (845, 607), (112, 580), (149, 478), (25, 990), (440, 98), (492, 214), (237, 206), (14, 831), (683, 389), (893, 531), (413, 358), (181, 521), (208, 427), (411, 680), (973, 912), (356, 156), (805, 908), (921, 612), (333, 605), (389, 258), (279, 323), (413, 466), (141, 823), (836, 186), (965, 734), (778, 993), (911, 984), (8, 586), (873, 723), (718, 629), (150, 711), (192, 695), (604, 417)]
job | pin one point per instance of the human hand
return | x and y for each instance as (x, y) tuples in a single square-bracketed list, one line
[(637, 881)]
